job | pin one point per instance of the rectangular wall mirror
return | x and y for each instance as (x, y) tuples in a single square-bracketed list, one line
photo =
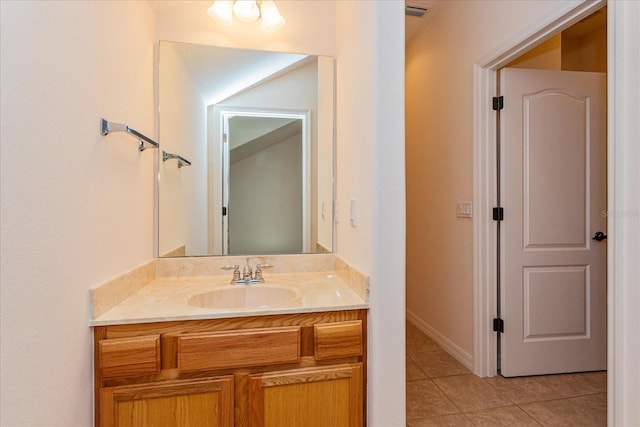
[(246, 164)]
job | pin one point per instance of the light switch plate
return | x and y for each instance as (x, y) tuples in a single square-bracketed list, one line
[(353, 212), (464, 209)]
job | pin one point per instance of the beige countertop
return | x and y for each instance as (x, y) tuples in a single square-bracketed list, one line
[(167, 299)]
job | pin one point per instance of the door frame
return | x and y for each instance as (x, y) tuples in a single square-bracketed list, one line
[(218, 159), (623, 155)]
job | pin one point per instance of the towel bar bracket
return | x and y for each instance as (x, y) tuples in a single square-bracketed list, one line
[(181, 160), (107, 127)]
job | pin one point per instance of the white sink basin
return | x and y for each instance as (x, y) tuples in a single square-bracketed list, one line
[(244, 296)]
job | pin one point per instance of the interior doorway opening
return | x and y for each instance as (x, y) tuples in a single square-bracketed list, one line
[(577, 53), (485, 178)]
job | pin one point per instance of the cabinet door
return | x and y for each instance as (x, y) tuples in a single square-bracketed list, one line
[(190, 403), (328, 396)]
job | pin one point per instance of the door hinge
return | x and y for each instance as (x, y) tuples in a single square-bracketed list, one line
[(224, 210), (498, 103), (498, 214), (224, 138), (498, 325)]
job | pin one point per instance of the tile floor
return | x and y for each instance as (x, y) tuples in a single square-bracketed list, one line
[(442, 392)]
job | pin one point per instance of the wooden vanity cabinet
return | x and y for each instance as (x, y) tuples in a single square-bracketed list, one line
[(264, 371)]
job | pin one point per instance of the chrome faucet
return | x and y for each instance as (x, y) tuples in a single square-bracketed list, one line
[(246, 272), (249, 277)]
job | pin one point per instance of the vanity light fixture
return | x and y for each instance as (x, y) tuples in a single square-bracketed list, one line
[(247, 11)]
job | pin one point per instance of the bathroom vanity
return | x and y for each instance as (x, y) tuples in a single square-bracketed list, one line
[(297, 361), (288, 370), (193, 341)]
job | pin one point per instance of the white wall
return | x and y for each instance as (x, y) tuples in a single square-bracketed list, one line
[(546, 56), (370, 152), (439, 99), (182, 192), (77, 208), (265, 200), (294, 90)]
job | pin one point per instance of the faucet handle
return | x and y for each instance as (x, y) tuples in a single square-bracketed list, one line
[(236, 271), (258, 272)]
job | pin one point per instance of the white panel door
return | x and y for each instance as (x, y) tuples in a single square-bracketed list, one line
[(553, 293)]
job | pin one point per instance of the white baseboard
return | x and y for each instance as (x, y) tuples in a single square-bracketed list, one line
[(447, 345)]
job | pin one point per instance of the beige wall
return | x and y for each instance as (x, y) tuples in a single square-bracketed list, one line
[(581, 47), (546, 56), (310, 27), (439, 125), (77, 207), (325, 153), (585, 52)]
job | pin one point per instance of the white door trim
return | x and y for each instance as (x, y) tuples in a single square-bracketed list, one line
[(623, 221), (484, 173)]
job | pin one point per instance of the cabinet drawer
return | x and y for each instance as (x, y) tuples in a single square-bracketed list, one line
[(339, 339), (238, 348), (124, 357)]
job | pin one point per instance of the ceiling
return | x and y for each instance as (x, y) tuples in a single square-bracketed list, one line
[(220, 72)]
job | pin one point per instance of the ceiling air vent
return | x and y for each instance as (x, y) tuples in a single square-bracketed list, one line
[(415, 11)]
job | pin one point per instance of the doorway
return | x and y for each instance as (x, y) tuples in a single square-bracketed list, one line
[(261, 199), (551, 147), (487, 343)]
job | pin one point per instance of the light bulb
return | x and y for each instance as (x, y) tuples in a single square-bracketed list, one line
[(246, 10), (271, 18), (222, 11)]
